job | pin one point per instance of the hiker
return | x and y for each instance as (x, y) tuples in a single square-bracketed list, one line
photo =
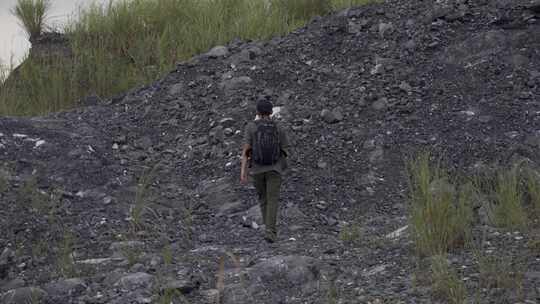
[(265, 151)]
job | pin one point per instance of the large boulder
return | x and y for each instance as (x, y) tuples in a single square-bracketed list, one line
[(24, 295), (276, 279)]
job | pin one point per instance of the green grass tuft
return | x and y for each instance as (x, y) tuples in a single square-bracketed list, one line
[(533, 189), (446, 284), (440, 215), (32, 15), (508, 210)]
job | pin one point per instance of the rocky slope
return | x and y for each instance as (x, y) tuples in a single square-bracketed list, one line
[(138, 199)]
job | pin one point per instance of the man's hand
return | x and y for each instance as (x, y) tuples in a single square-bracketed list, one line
[(244, 164), (243, 178)]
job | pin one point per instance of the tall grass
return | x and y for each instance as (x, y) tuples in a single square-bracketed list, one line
[(32, 15), (508, 209), (446, 284), (128, 43), (440, 215), (533, 187)]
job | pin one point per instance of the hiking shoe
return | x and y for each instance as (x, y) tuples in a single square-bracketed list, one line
[(270, 237)]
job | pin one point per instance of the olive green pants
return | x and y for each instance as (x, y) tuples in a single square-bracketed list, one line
[(267, 185)]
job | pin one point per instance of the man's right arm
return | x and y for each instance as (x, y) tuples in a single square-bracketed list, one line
[(246, 148)]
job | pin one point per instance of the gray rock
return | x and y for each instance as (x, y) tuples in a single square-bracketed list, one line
[(300, 271), (485, 118), (276, 279), (176, 89), (333, 116), (6, 261), (380, 104), (252, 215), (404, 86), (410, 45), (119, 249), (24, 295), (385, 28), (246, 55), (376, 155), (65, 287), (294, 212), (227, 122), (217, 135), (533, 140), (534, 6), (228, 131), (235, 83), (355, 27), (230, 208), (216, 191), (218, 51), (144, 143), (13, 284), (512, 134), (321, 164), (133, 281), (210, 295), (183, 286), (369, 144)]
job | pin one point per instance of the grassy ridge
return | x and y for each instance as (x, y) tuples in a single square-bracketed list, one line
[(128, 43)]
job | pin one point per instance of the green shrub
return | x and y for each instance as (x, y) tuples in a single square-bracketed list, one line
[(446, 284), (508, 209), (32, 15), (440, 216)]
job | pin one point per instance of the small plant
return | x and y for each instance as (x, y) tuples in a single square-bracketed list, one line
[(138, 208), (167, 255), (132, 254), (32, 15), (499, 272), (332, 295), (508, 209), (3, 184), (534, 244), (533, 187), (66, 263), (40, 249), (350, 234), (446, 284), (30, 193), (440, 216)]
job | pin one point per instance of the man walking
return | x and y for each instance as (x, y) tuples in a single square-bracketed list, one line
[(264, 151)]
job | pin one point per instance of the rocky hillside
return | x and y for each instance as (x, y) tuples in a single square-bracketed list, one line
[(138, 200)]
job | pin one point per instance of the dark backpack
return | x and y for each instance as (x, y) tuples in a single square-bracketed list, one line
[(266, 146)]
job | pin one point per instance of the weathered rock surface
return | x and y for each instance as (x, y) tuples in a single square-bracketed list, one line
[(139, 196)]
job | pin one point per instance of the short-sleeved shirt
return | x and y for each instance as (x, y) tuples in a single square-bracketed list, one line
[(281, 165)]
